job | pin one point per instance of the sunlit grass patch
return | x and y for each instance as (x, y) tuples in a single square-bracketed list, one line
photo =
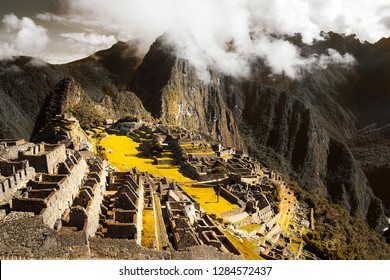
[(250, 227), (246, 247), (164, 158), (124, 155), (208, 200), (148, 230)]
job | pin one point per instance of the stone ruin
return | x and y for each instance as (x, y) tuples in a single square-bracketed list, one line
[(13, 176), (256, 203), (64, 129), (77, 204), (49, 194), (119, 212), (52, 188), (189, 227)]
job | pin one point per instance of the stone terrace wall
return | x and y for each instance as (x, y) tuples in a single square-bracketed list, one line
[(31, 238), (21, 173), (120, 249), (44, 157), (204, 252), (229, 196), (4, 143), (65, 194), (51, 195), (93, 208), (8, 168)]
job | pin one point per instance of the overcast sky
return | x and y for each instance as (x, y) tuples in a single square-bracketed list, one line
[(59, 31)]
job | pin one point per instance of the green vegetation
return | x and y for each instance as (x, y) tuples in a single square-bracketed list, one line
[(87, 115), (338, 235)]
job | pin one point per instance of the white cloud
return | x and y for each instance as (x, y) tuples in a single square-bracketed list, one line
[(93, 39), (335, 57), (6, 50), (201, 29), (34, 62), (83, 44), (23, 37), (52, 17)]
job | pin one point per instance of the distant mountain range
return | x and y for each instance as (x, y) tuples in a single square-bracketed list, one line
[(329, 130)]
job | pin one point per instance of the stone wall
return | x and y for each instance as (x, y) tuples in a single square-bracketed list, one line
[(123, 206), (122, 230), (190, 170), (51, 195), (140, 206), (162, 235), (93, 208), (17, 174), (265, 214), (123, 249), (31, 238), (229, 196), (8, 168), (11, 142), (44, 157), (65, 194)]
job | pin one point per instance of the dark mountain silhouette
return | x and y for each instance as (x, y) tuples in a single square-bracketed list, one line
[(94, 88)]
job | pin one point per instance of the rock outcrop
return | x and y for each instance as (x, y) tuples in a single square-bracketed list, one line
[(169, 88)]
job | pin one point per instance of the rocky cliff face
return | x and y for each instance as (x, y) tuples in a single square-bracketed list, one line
[(170, 89), (371, 148)]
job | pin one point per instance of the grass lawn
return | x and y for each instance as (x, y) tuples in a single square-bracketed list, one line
[(124, 155), (208, 200), (250, 227), (246, 247), (148, 234)]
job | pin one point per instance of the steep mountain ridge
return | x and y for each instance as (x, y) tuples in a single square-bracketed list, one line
[(27, 85), (170, 89), (300, 127)]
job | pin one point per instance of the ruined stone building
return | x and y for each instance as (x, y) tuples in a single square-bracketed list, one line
[(190, 227), (256, 203), (84, 213), (56, 185), (130, 198), (64, 129), (121, 212), (13, 176), (70, 197)]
